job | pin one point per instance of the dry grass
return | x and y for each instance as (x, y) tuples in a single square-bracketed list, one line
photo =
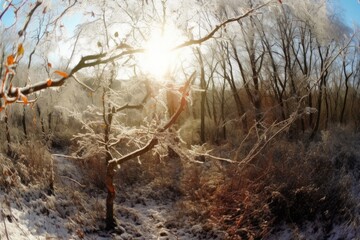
[(290, 182), (9, 176), (94, 169), (32, 162)]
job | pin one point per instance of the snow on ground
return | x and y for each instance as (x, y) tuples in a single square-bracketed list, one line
[(25, 217), (77, 209), (28, 212), (335, 230)]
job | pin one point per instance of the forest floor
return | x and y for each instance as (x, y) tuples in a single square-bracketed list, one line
[(76, 210), (159, 200)]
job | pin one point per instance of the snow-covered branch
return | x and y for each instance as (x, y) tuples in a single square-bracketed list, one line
[(112, 55), (151, 144)]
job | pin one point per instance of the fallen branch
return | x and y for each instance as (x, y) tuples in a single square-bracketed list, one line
[(73, 180), (67, 156)]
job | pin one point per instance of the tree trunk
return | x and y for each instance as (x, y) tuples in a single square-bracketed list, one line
[(24, 122), (324, 74), (109, 181), (347, 77), (236, 94), (51, 190), (7, 133), (203, 98), (223, 112), (41, 120), (49, 121), (310, 103), (319, 108), (108, 111), (326, 107), (344, 104)]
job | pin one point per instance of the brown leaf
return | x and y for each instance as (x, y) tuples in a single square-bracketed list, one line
[(20, 50), (62, 74), (24, 99), (49, 82)]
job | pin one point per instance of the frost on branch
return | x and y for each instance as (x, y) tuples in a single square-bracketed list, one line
[(11, 94)]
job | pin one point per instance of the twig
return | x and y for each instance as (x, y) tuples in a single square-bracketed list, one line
[(73, 180), (29, 16), (64, 12), (5, 10), (151, 144), (217, 27), (218, 158), (6, 232), (256, 150), (82, 84), (66, 156)]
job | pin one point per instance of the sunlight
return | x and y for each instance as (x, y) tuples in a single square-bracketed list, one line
[(158, 59)]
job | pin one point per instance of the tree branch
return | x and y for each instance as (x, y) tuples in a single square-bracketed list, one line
[(217, 27), (151, 144), (103, 58), (29, 16), (6, 9), (64, 12)]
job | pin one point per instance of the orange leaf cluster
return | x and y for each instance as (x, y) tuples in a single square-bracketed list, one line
[(49, 82), (10, 60)]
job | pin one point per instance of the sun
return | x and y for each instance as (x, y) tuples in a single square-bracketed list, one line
[(159, 58)]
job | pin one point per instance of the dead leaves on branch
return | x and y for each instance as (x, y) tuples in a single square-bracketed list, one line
[(57, 72), (10, 94)]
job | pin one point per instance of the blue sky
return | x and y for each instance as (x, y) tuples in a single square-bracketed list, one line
[(350, 10)]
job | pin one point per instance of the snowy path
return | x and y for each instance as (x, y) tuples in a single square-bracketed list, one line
[(28, 213)]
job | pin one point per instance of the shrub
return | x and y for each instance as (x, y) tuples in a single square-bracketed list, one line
[(32, 161), (94, 169), (9, 176), (290, 182)]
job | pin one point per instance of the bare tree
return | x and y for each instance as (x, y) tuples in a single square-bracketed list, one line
[(348, 68)]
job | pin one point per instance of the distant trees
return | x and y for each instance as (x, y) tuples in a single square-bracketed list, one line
[(283, 58)]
